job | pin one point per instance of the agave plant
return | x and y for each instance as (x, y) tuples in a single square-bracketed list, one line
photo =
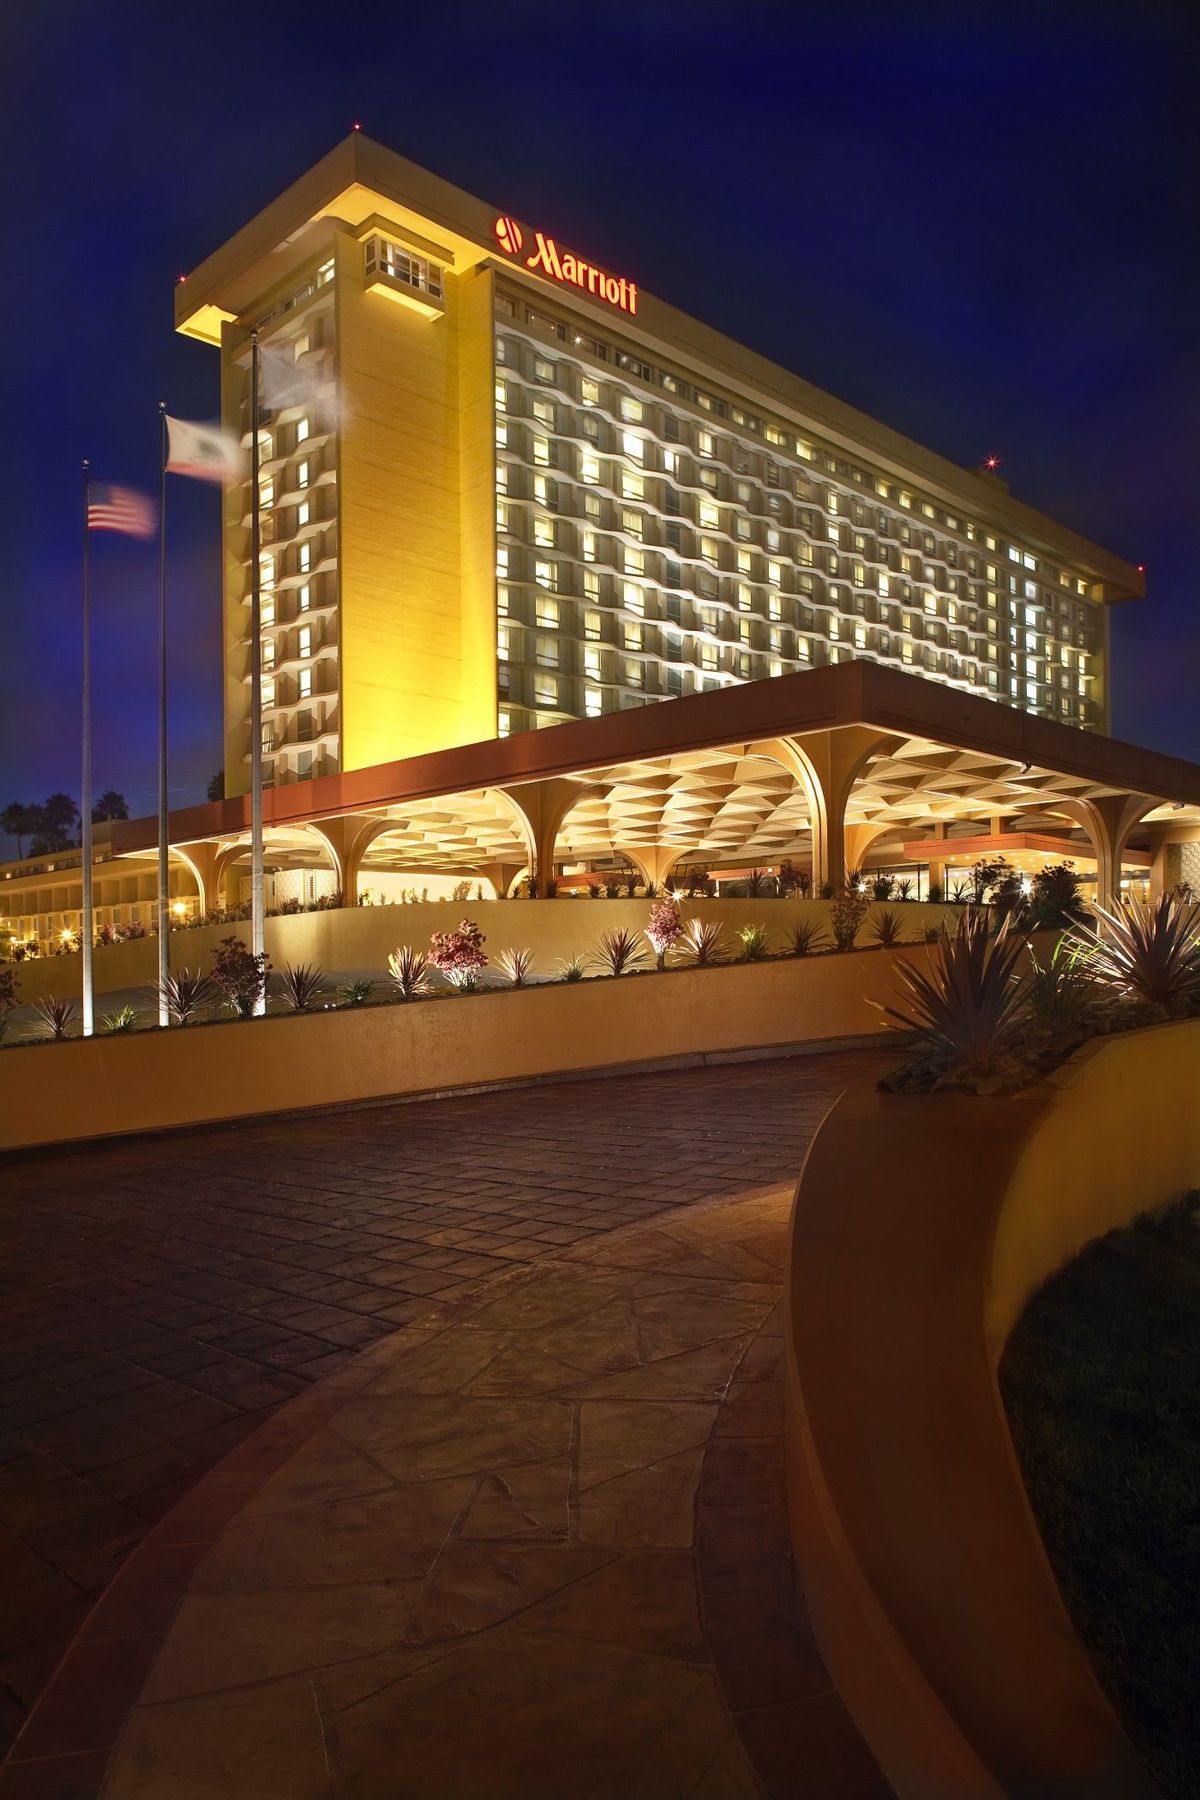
[(515, 965), (968, 1009), (355, 992), (756, 943), (124, 1019), (701, 943), (570, 968), (301, 984), (187, 995), (881, 887), (904, 888), (1148, 953), (409, 970), (619, 951), (806, 937), (887, 929), (55, 1017), (756, 882)]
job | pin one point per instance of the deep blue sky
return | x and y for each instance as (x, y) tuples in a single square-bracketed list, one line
[(977, 223)]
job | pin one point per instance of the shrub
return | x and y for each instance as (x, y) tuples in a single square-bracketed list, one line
[(618, 951), (594, 888), (1056, 898), (571, 968), (302, 984), (515, 965), (8, 998), (961, 893), (904, 888), (630, 881), (935, 892), (702, 943), (459, 955), (847, 914), (968, 1010), (614, 881), (855, 878), (756, 944), (756, 882), (886, 929), (323, 903), (1148, 954), (186, 995), (789, 878), (552, 887), (409, 970), (881, 887), (290, 908), (461, 891), (827, 890), (126, 1018), (806, 937), (240, 975), (356, 993), (663, 929), (55, 1017)]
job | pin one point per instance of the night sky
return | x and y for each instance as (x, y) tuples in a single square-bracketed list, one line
[(978, 224)]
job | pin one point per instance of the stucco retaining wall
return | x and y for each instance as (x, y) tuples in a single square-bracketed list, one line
[(360, 937), (922, 1225), (147, 1080)]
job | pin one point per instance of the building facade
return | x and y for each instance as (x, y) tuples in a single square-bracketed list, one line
[(502, 488)]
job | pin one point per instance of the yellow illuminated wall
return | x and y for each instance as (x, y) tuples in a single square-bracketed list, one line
[(416, 546)]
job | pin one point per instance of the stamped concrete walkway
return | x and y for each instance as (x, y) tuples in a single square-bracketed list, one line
[(532, 1549), (538, 1446)]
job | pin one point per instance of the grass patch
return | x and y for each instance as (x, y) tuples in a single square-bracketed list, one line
[(1101, 1381)]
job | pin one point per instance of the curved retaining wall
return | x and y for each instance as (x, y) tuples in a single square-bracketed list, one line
[(922, 1225), (148, 1080)]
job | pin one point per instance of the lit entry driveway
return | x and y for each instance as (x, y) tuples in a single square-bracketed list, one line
[(159, 1299)]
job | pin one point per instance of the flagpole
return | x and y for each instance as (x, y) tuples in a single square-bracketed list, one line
[(256, 765), (86, 932), (164, 861)]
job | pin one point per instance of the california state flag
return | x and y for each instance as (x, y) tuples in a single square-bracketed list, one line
[(208, 452)]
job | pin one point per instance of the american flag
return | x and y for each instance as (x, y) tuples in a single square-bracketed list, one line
[(121, 509)]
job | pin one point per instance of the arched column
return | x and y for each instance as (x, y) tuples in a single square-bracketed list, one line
[(858, 840), (346, 839), (541, 807), (827, 764), (203, 861), (653, 862), (1108, 822)]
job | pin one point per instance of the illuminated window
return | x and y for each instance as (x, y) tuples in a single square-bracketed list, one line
[(632, 597), (589, 468), (631, 409), (710, 549), (710, 514), (302, 514), (635, 675), (503, 722), (541, 451), (303, 428), (546, 652), (304, 596), (503, 642), (267, 690), (502, 561), (593, 703), (543, 532), (710, 656), (633, 445), (545, 574), (745, 597), (635, 525), (633, 484), (268, 653), (304, 640), (502, 396), (544, 369), (304, 558), (302, 473), (545, 690), (545, 413), (590, 392), (589, 546), (266, 491), (304, 683), (705, 443), (592, 625), (775, 573), (545, 612)]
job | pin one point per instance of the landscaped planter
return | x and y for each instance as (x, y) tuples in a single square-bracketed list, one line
[(152, 1079), (923, 1222)]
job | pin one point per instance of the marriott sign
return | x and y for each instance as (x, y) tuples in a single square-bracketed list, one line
[(546, 258)]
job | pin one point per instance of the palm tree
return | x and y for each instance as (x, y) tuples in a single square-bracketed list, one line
[(110, 805), (19, 821)]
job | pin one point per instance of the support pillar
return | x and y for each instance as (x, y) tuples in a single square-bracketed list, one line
[(346, 839), (827, 764), (653, 862), (1108, 822), (541, 807)]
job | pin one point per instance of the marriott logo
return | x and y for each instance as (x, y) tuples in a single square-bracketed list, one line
[(546, 258)]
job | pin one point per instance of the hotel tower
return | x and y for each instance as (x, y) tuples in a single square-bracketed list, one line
[(508, 487)]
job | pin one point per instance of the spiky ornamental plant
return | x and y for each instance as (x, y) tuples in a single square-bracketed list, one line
[(123, 1020), (515, 965), (663, 929), (702, 943), (1148, 954), (187, 995), (807, 937), (355, 992), (881, 887), (55, 1017), (886, 929), (755, 942), (409, 972), (571, 968), (969, 1012), (302, 984), (1067, 1003), (617, 952)]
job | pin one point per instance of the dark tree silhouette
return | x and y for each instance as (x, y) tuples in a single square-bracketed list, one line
[(20, 821), (58, 824), (110, 805), (216, 787)]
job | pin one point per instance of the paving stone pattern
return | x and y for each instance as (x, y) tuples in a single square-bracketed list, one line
[(159, 1299)]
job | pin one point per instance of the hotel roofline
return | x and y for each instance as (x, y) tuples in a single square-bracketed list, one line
[(843, 696), (348, 185)]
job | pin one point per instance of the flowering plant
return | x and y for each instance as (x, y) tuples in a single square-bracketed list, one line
[(664, 928), (240, 975), (459, 954)]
